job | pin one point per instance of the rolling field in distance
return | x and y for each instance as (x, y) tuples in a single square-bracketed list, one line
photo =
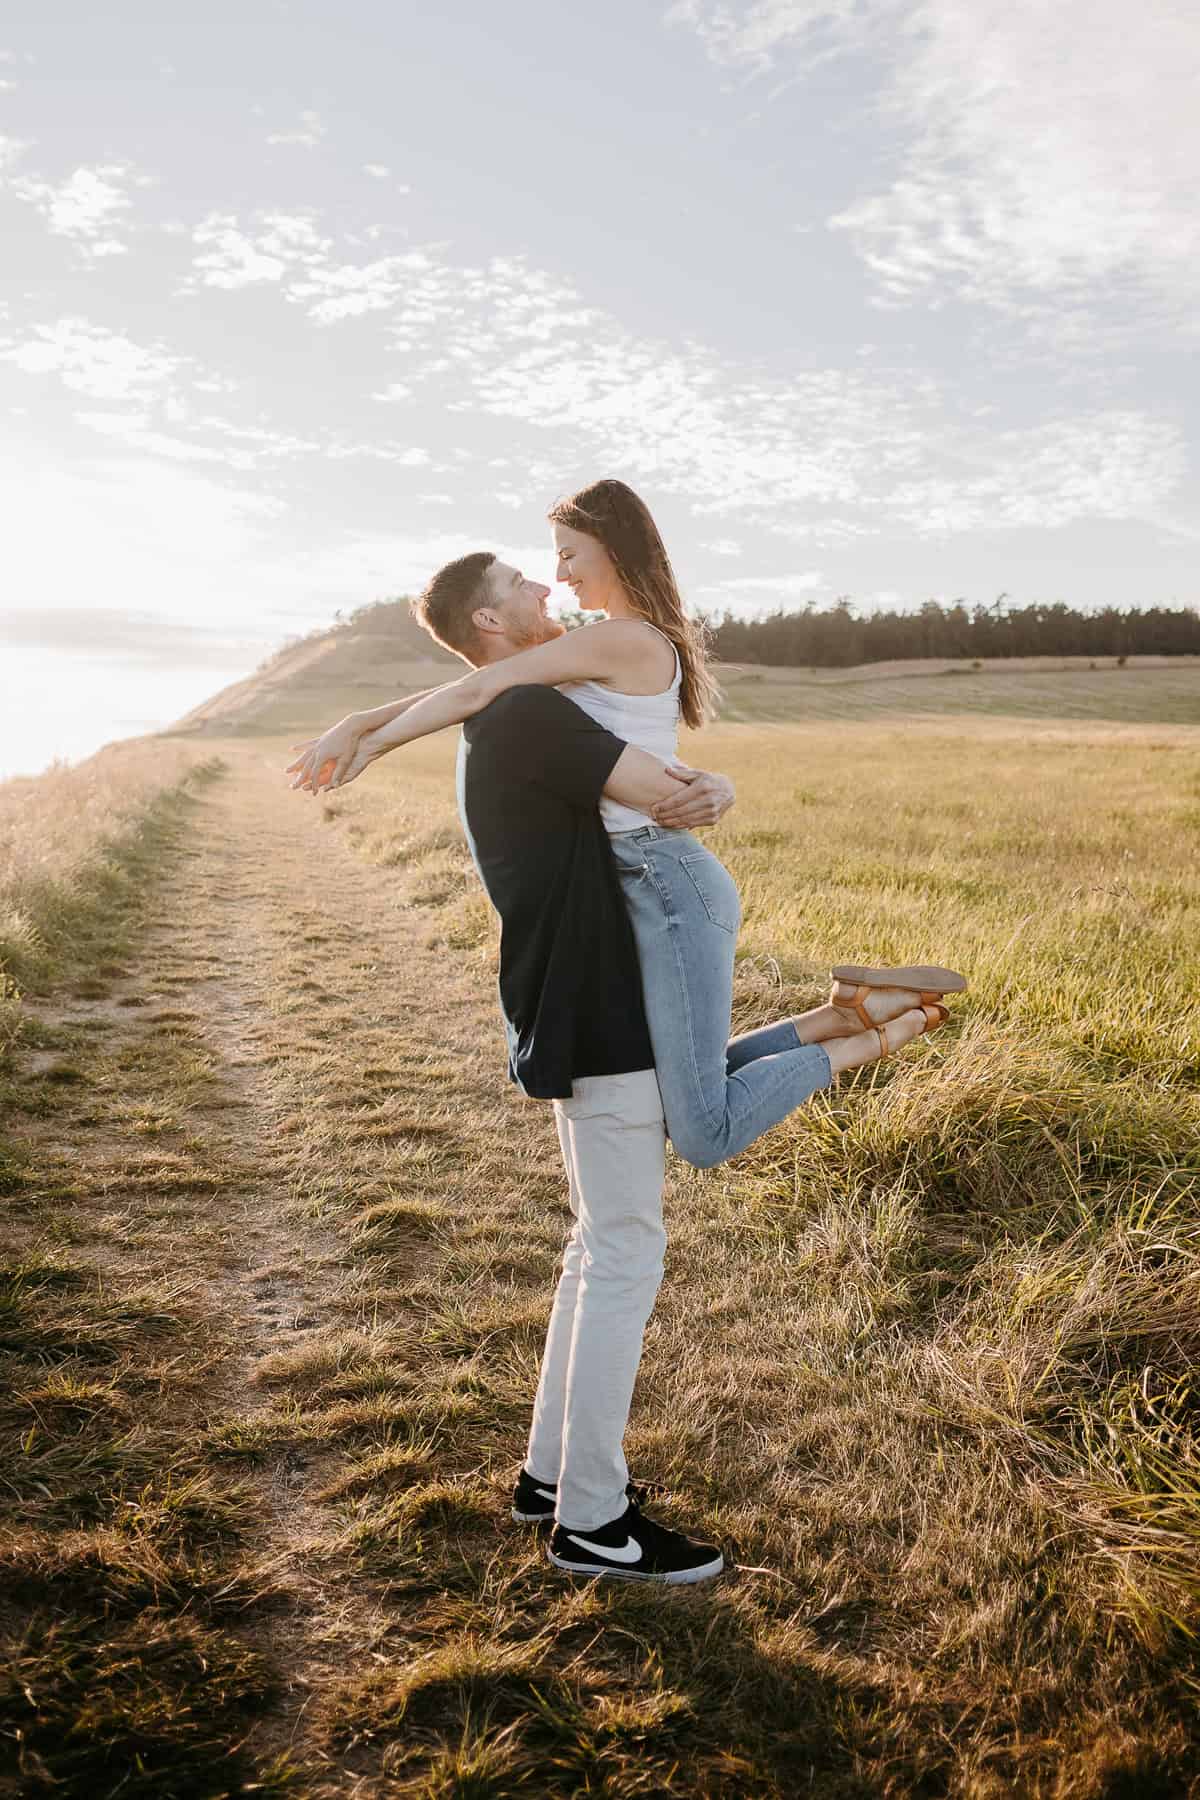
[(321, 678), (923, 1360)]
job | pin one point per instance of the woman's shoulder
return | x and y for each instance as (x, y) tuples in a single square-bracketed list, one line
[(634, 644), (619, 631)]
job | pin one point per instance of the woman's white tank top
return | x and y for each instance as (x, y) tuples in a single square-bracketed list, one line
[(651, 721)]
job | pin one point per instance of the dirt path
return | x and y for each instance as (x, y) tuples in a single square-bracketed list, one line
[(268, 1342), (267, 1081)]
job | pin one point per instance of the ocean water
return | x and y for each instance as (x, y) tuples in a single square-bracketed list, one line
[(59, 705)]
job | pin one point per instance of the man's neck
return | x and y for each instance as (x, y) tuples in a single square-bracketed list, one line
[(498, 651)]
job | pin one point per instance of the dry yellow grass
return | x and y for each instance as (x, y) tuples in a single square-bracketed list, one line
[(64, 836), (51, 823), (924, 1358)]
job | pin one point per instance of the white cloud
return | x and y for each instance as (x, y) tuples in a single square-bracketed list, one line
[(86, 207), (1049, 153), (752, 35), (726, 436), (347, 290), (379, 171), (307, 134), (513, 360), (823, 455), (228, 258), (91, 360), (405, 456), (784, 586), (288, 248), (1112, 465)]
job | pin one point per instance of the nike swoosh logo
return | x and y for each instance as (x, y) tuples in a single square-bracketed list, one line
[(628, 1552), (546, 1493)]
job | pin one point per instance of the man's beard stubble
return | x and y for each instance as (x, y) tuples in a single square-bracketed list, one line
[(542, 631)]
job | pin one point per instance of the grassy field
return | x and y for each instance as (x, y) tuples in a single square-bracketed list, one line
[(281, 1250), (1022, 688), (73, 844), (326, 676)]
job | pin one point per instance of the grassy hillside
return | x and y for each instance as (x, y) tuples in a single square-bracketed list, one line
[(1150, 690), (383, 654), (357, 664), (276, 1260)]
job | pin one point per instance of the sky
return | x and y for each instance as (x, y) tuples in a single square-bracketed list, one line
[(886, 298)]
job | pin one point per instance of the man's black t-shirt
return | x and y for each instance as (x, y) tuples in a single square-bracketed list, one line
[(531, 769)]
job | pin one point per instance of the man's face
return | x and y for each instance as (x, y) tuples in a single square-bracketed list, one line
[(520, 606)]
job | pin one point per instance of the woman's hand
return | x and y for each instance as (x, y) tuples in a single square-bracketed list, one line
[(367, 750), (702, 799), (323, 760)]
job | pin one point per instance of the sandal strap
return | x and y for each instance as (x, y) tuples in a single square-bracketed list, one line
[(885, 1049), (855, 1000)]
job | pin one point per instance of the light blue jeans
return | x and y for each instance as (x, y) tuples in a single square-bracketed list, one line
[(719, 1094)]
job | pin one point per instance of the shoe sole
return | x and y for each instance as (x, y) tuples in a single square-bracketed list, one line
[(669, 1578), (924, 978), (532, 1518)]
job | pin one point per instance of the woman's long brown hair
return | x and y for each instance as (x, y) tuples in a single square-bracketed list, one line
[(611, 513)]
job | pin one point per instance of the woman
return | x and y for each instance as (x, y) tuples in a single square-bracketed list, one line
[(638, 673)]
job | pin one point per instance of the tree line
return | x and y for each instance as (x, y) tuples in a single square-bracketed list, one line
[(837, 637)]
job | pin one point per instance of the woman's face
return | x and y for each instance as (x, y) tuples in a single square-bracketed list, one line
[(587, 568)]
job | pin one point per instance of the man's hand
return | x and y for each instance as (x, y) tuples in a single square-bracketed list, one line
[(324, 760), (701, 800)]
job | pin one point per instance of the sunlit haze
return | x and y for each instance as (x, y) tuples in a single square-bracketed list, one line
[(298, 301)]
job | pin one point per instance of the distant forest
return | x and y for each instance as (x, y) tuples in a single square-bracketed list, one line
[(835, 637)]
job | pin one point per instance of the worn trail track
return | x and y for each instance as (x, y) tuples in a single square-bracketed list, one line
[(279, 1104), (323, 1233)]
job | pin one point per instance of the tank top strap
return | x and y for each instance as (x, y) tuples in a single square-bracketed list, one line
[(678, 676)]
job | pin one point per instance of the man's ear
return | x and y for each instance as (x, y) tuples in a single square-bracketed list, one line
[(487, 622)]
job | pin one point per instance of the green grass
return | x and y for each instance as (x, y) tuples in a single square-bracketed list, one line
[(124, 1668), (1074, 690), (78, 923), (923, 1362), (118, 1554)]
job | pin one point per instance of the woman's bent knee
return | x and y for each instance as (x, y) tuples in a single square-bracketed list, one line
[(702, 1149)]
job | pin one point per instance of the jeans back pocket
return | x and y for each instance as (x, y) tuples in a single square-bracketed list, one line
[(716, 888)]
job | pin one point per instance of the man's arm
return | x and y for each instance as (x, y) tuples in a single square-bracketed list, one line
[(678, 799)]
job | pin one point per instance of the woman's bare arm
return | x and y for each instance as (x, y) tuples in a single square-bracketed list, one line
[(337, 745), (604, 652)]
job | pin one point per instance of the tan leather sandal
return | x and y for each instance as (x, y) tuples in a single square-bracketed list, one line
[(926, 980), (935, 1015)]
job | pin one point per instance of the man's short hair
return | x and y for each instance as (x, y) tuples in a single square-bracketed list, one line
[(446, 605)]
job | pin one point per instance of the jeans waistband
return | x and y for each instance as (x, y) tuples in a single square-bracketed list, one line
[(652, 834)]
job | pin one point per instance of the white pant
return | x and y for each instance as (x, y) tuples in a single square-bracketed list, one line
[(614, 1147)]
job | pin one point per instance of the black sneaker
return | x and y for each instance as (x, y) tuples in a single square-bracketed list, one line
[(534, 1501), (634, 1548)]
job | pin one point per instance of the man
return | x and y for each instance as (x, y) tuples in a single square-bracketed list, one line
[(532, 767)]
